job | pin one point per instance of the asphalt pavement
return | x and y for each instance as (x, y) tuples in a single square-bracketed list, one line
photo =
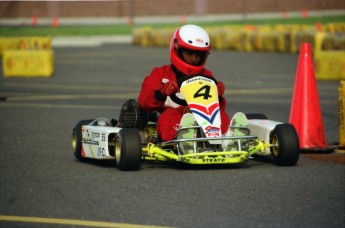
[(42, 183)]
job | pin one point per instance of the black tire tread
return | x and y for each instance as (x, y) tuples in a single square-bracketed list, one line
[(289, 150), (130, 149), (77, 131)]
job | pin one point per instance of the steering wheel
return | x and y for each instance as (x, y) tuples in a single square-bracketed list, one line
[(183, 102)]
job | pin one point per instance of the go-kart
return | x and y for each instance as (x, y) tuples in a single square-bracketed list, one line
[(133, 137)]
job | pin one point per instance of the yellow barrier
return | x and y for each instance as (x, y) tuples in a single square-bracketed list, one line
[(142, 36), (247, 40), (328, 42), (28, 63), (7, 43), (34, 42), (329, 63), (225, 38), (26, 43), (162, 37), (342, 114), (269, 40), (299, 37), (283, 38), (336, 27), (283, 41)]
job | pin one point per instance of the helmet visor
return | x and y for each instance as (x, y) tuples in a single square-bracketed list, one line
[(193, 57)]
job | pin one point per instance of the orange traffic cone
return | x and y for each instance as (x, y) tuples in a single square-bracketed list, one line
[(305, 113)]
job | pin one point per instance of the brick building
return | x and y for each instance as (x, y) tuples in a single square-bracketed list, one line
[(133, 8)]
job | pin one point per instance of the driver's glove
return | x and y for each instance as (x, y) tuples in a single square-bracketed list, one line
[(221, 88), (169, 88)]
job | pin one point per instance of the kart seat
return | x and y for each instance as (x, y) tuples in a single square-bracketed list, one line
[(153, 116), (132, 116)]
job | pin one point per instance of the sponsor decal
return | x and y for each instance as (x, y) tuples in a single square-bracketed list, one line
[(101, 152), (95, 135), (92, 142), (212, 131), (207, 113), (198, 79), (199, 40), (92, 136), (213, 160)]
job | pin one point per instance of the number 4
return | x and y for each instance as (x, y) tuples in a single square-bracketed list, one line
[(203, 92)]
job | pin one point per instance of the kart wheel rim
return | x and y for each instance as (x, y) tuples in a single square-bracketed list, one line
[(74, 141), (275, 149), (117, 150)]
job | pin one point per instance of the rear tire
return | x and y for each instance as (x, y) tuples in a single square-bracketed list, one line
[(77, 139), (128, 149), (258, 116), (286, 152)]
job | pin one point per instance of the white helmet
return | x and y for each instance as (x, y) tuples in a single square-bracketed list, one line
[(190, 38)]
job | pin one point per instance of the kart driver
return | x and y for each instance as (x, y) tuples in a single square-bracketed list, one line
[(189, 48)]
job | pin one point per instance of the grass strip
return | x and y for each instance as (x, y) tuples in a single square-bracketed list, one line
[(125, 29)]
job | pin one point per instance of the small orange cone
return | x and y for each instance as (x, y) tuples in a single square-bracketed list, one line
[(285, 15), (34, 21), (183, 20), (305, 113), (55, 22), (304, 12), (319, 26), (130, 21)]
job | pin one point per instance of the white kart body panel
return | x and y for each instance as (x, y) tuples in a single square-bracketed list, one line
[(95, 141), (262, 129)]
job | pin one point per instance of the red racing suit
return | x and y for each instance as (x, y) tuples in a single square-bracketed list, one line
[(150, 99)]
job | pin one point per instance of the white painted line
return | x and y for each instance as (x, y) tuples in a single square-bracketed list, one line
[(89, 41)]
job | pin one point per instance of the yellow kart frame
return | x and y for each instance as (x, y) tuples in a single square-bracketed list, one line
[(133, 138), (204, 153)]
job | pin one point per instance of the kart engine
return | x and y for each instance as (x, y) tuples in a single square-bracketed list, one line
[(132, 116)]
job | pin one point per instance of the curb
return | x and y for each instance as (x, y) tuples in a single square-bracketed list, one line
[(90, 41)]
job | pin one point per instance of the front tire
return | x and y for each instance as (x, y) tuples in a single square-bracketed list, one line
[(77, 139), (286, 152), (128, 149)]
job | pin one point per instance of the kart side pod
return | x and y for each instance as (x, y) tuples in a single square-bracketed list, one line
[(263, 128)]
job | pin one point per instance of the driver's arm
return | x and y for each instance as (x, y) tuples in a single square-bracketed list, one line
[(148, 99)]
